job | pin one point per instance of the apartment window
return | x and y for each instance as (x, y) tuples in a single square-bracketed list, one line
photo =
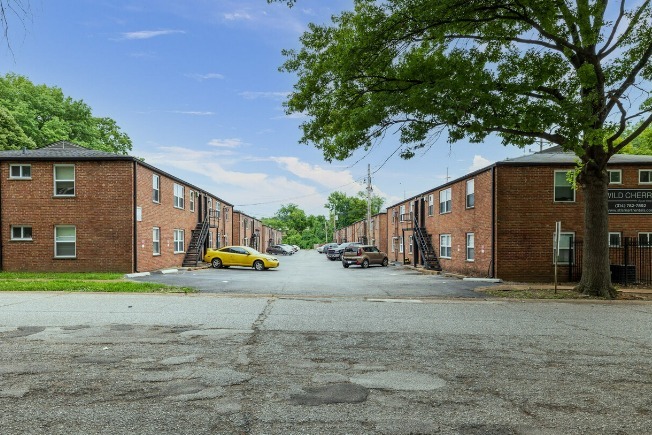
[(645, 176), (156, 241), (431, 204), (445, 249), (64, 180), (645, 239), (470, 193), (178, 195), (410, 246), (65, 241), (470, 247), (156, 188), (192, 200), (565, 248), (178, 241), (400, 244), (20, 172), (616, 176), (614, 240), (402, 213), (445, 202), (564, 191), (210, 239), (21, 232)]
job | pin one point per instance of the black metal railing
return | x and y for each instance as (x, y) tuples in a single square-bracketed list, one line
[(630, 263)]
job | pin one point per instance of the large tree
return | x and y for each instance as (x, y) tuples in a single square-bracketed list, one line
[(570, 72), (46, 115)]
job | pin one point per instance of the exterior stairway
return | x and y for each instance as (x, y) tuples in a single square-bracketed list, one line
[(424, 242), (194, 251)]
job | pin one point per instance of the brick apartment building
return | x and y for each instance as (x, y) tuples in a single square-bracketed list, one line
[(500, 221), (67, 208)]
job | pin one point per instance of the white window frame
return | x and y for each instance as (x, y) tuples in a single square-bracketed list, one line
[(64, 180), (445, 201), (620, 238), (23, 237), (648, 236), (210, 239), (570, 238), (21, 172), (470, 246), (179, 192), (470, 193), (156, 241), (431, 204), (620, 176), (410, 244), (156, 188), (649, 176), (554, 190), (401, 213), (59, 240), (400, 245), (179, 242), (445, 246), (192, 201)]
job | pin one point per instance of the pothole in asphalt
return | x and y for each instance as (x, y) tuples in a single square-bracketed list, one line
[(343, 392), (399, 380)]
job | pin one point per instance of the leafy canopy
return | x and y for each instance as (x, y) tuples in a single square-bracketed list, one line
[(350, 209), (571, 72), (32, 116)]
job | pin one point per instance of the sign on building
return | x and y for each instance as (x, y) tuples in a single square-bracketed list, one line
[(630, 201)]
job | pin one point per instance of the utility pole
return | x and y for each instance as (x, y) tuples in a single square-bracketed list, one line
[(369, 189)]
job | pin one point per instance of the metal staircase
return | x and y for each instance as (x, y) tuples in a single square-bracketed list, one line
[(194, 251), (424, 242)]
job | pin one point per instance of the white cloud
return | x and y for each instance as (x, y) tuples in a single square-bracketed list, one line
[(237, 16), (325, 177), (192, 112), (479, 162), (147, 34), (202, 77), (226, 143)]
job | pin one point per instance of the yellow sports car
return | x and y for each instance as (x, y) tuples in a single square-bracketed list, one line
[(239, 256)]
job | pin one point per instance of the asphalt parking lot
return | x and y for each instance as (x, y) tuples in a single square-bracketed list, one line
[(308, 273)]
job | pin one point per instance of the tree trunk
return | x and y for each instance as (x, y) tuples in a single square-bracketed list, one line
[(596, 275)]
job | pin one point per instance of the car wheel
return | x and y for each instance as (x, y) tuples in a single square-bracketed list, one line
[(365, 263), (258, 265), (385, 262), (216, 263), (346, 265)]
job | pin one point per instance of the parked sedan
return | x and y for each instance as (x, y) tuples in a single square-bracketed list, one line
[(279, 250), (364, 256), (240, 256)]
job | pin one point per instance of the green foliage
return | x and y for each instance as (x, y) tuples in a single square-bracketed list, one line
[(350, 209), (32, 116), (642, 144), (300, 229), (524, 70)]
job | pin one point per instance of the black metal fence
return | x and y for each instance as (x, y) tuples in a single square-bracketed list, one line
[(630, 263)]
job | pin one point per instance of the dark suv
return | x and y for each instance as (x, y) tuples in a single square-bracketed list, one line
[(363, 255), (335, 253)]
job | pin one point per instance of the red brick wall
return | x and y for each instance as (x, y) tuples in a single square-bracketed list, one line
[(459, 222), (101, 210), (526, 216)]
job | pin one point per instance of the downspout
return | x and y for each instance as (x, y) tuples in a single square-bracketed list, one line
[(492, 267), (135, 207)]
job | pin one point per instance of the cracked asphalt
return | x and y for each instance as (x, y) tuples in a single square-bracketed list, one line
[(212, 363)]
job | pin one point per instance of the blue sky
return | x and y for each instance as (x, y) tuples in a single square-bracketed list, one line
[(196, 86)]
